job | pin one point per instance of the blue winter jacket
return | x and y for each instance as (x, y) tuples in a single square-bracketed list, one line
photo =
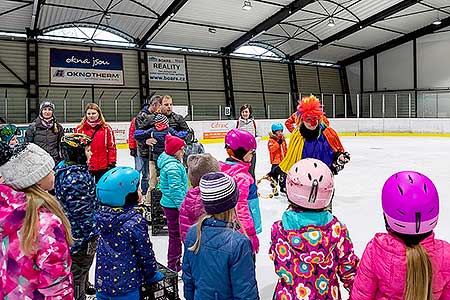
[(160, 136), (172, 180), (223, 268), (75, 190), (125, 258)]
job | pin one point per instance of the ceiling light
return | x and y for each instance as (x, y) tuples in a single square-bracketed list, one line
[(212, 30), (331, 22), (247, 5), (108, 16), (437, 22)]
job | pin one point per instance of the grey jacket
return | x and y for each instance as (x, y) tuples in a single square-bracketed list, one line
[(46, 138)]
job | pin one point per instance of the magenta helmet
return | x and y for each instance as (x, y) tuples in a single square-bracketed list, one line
[(237, 138), (310, 184), (410, 203)]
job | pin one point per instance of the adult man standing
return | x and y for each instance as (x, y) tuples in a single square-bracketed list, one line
[(176, 121), (145, 119)]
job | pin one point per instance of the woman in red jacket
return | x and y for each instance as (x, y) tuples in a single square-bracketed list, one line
[(103, 146)]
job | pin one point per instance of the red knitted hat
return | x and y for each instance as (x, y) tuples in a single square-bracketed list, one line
[(173, 144)]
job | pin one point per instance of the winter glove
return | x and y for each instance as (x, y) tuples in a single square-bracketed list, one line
[(157, 277), (133, 152), (340, 159), (112, 165), (182, 134), (280, 141)]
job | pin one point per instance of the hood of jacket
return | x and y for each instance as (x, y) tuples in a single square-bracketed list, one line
[(63, 167), (234, 167), (313, 243), (165, 159), (394, 247), (111, 219), (13, 205)]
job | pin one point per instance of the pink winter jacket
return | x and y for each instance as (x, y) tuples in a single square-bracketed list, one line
[(191, 210), (382, 271), (43, 275), (239, 172)]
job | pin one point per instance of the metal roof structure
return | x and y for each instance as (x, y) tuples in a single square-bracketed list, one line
[(336, 31)]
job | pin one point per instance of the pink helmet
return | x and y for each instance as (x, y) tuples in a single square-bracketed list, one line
[(310, 184), (410, 203), (237, 138)]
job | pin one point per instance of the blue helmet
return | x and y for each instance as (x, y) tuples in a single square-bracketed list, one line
[(116, 184), (276, 127)]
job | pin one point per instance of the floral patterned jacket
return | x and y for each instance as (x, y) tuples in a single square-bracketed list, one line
[(308, 259), (44, 275)]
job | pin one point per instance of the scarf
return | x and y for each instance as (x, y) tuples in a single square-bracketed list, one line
[(48, 123), (93, 124)]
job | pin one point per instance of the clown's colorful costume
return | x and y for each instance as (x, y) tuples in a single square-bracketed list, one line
[(321, 143)]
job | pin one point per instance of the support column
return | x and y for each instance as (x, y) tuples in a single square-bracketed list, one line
[(144, 83), (293, 84), (228, 84), (32, 83)]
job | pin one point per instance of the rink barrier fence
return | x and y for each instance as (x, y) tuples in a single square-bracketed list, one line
[(209, 132)]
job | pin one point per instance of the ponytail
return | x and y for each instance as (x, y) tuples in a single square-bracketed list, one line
[(419, 274), (229, 216), (36, 198)]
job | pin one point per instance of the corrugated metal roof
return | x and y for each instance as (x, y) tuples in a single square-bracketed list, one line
[(17, 20), (331, 53), (185, 35), (368, 37), (227, 13)]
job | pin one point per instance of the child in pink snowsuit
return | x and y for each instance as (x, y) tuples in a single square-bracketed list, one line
[(241, 146), (192, 207), (408, 250), (310, 247)]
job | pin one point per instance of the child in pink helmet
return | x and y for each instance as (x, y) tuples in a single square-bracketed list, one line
[(310, 247), (241, 146), (407, 262)]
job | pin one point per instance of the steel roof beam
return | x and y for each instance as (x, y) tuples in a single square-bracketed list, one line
[(356, 27), (396, 42), (37, 5), (162, 21), (275, 19)]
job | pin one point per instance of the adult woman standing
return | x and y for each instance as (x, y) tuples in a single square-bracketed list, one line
[(46, 132), (103, 146), (247, 123)]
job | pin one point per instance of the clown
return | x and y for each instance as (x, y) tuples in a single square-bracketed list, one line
[(313, 138)]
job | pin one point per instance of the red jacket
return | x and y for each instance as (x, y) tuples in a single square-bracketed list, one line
[(103, 146), (277, 152), (131, 141)]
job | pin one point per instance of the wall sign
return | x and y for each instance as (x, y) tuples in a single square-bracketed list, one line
[(166, 69), (85, 67)]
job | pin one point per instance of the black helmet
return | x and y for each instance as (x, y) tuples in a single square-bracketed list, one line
[(73, 147)]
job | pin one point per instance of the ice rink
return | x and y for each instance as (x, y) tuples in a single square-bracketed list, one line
[(358, 188)]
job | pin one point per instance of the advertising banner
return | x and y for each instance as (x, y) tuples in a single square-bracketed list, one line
[(166, 68), (85, 67), (218, 129)]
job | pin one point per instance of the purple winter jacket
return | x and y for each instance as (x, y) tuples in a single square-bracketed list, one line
[(382, 272), (190, 211)]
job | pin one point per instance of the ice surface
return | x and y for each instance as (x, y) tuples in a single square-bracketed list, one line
[(358, 188)]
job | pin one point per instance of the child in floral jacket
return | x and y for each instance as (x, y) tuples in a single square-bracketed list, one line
[(310, 247)]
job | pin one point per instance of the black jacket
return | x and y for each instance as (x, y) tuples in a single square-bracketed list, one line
[(46, 138), (177, 122), (144, 120)]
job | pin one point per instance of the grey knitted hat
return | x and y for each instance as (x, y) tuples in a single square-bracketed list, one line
[(199, 165), (24, 165), (219, 192)]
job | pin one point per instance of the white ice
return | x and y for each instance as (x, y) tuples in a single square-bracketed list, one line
[(358, 190)]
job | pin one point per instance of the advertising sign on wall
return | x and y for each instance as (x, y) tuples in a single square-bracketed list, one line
[(218, 129), (166, 68), (85, 67)]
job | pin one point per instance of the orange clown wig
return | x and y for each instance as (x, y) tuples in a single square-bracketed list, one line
[(310, 109)]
